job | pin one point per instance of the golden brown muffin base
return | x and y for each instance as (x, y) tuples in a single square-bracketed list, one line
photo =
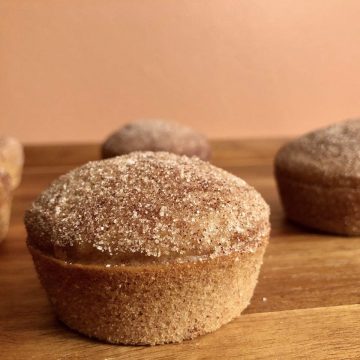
[(326, 208), (150, 304)]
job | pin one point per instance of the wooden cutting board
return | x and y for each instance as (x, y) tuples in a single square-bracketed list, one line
[(306, 304)]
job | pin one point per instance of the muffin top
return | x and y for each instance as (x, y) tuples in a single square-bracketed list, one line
[(147, 207), (156, 135), (330, 156)]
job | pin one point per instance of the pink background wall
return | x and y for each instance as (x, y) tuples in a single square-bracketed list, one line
[(73, 70)]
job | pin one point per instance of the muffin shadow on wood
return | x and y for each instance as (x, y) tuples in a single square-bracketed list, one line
[(148, 248)]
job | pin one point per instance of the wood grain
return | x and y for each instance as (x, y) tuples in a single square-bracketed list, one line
[(305, 305)]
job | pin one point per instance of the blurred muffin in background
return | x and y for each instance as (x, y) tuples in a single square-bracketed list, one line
[(318, 177), (11, 159), (5, 203), (156, 135)]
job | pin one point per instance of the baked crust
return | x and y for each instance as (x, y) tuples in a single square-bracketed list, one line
[(156, 135), (318, 178), (150, 304)]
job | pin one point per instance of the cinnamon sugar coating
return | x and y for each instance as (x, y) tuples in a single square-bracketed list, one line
[(156, 135), (147, 206), (329, 156)]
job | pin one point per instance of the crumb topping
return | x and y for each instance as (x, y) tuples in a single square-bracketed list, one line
[(151, 205)]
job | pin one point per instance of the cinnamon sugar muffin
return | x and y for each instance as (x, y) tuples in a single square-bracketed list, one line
[(318, 177), (148, 248), (5, 203), (156, 135), (11, 158)]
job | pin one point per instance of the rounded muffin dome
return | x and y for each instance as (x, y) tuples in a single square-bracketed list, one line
[(147, 206), (329, 155), (156, 135)]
